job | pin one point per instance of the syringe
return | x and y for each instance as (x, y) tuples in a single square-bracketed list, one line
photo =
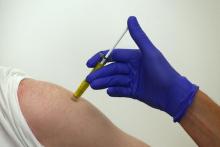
[(84, 84)]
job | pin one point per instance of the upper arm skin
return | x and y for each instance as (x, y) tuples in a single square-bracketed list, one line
[(58, 121)]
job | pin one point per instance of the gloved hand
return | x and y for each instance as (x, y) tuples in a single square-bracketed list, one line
[(143, 74)]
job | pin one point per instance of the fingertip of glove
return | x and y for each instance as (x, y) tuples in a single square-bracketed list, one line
[(130, 18), (131, 21), (134, 27), (93, 86), (89, 64), (111, 92), (88, 79)]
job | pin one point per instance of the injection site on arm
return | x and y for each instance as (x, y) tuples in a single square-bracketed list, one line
[(57, 121)]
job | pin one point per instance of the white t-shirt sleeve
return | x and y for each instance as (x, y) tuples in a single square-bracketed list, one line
[(14, 130)]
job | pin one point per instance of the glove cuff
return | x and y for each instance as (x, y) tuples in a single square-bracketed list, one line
[(182, 97)]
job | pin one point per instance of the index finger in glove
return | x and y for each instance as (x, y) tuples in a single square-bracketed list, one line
[(118, 55)]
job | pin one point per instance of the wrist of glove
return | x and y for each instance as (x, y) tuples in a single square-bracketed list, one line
[(143, 74), (181, 96)]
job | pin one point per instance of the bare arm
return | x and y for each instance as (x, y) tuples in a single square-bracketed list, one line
[(57, 121), (202, 121)]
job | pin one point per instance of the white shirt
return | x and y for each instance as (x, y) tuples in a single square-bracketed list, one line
[(14, 130)]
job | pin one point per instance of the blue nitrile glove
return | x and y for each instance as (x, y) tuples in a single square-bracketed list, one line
[(143, 74)]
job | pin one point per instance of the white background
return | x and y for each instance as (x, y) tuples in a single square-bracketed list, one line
[(52, 40)]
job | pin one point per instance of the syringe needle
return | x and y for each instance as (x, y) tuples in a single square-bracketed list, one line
[(115, 45)]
